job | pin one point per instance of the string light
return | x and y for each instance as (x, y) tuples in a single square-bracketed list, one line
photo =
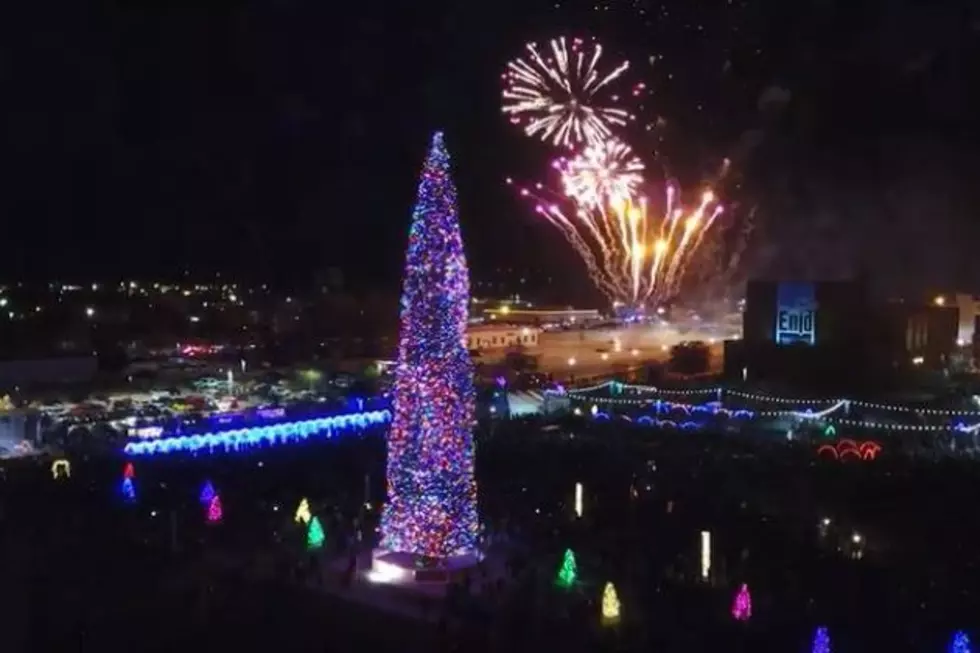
[(828, 414), (431, 509), (254, 436), (864, 451), (761, 398)]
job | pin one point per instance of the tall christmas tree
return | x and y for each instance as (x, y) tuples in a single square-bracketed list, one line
[(431, 508)]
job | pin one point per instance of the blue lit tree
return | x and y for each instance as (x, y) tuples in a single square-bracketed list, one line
[(207, 493), (821, 640), (960, 643), (128, 490), (431, 509)]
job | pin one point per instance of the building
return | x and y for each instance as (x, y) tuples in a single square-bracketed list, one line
[(830, 337), (969, 310), (820, 313), (486, 337), (810, 335), (921, 335)]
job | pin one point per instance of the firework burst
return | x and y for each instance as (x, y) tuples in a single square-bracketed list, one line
[(636, 255), (604, 170), (560, 96)]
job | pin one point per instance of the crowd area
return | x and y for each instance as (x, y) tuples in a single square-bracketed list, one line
[(882, 552)]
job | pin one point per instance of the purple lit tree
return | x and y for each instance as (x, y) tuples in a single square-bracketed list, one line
[(215, 511), (431, 509), (742, 607)]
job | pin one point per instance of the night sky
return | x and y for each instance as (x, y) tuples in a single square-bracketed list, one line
[(273, 140)]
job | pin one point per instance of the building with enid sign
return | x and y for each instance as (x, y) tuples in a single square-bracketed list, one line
[(796, 310), (801, 333), (829, 336)]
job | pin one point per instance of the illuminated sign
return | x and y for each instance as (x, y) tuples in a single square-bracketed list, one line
[(796, 314), (146, 432)]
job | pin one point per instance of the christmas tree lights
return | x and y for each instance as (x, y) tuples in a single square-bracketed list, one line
[(568, 570), (207, 493), (128, 490), (129, 471), (431, 509), (610, 605), (315, 536), (821, 641), (960, 643), (303, 514), (60, 469), (742, 607), (215, 512)]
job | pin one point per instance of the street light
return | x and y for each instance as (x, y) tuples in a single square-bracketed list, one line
[(89, 312)]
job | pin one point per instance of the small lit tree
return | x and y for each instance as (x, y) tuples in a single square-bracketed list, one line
[(742, 607), (128, 490), (960, 643), (215, 512), (315, 536), (568, 571), (207, 493), (610, 605), (303, 514), (821, 640)]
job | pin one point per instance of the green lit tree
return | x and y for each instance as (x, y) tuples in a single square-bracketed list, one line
[(314, 534), (568, 571)]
